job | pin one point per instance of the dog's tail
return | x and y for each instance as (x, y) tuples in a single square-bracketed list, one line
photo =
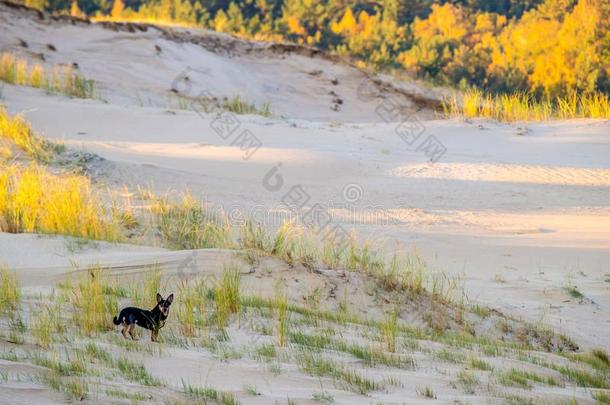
[(116, 321)]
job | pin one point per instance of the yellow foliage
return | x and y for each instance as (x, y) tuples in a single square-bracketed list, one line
[(117, 8), (556, 57), (347, 24), (294, 26), (75, 11), (446, 21), (220, 21)]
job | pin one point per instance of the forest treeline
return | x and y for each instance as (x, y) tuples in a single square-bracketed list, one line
[(547, 48)]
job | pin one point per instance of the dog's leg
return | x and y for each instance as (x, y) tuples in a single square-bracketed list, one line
[(124, 328), (153, 335), (130, 330)]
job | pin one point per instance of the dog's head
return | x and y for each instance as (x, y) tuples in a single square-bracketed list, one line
[(164, 304)]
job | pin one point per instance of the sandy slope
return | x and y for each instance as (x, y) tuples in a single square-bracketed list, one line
[(58, 258), (142, 67)]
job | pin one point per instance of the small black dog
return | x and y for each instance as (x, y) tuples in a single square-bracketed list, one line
[(152, 320)]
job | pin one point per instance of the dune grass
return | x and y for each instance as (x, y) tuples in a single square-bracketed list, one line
[(10, 294), (92, 309), (192, 308), (317, 365), (525, 107), (524, 379), (59, 79), (136, 372), (282, 316), (241, 106), (17, 130), (75, 388), (227, 295), (596, 358), (188, 224), (209, 394), (144, 293), (389, 330), (295, 245), (320, 349), (46, 323), (33, 199)]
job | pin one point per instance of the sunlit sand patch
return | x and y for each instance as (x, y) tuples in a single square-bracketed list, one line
[(507, 173), (202, 151)]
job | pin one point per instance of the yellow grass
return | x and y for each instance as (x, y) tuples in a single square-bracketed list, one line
[(93, 310), (46, 323), (17, 130), (282, 315), (389, 328), (9, 291), (32, 199), (188, 224), (191, 307), (524, 107), (60, 79), (227, 295)]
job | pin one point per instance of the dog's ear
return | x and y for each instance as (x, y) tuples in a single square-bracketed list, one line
[(159, 298), (170, 298)]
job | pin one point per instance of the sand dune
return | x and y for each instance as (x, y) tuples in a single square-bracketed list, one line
[(544, 193), (516, 211)]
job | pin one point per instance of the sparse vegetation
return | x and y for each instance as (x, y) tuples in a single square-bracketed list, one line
[(209, 393), (9, 291), (59, 79), (468, 381), (144, 294), (523, 379), (93, 310), (479, 364), (75, 388), (584, 378), (596, 358), (389, 328), (323, 397), (426, 392), (316, 365), (602, 397), (282, 316), (45, 324), (191, 311), (227, 295), (189, 225), (238, 105), (136, 372), (573, 291)]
